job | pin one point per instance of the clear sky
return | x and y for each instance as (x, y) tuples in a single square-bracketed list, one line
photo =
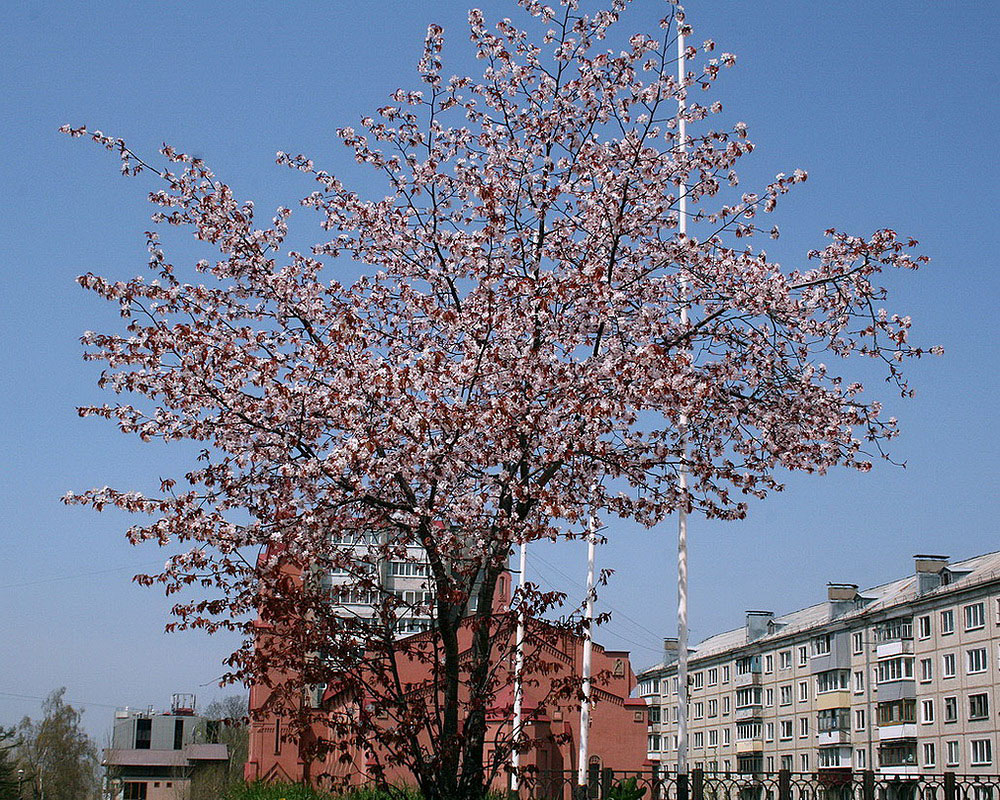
[(891, 107)]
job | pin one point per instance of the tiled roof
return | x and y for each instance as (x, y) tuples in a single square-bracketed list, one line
[(970, 572)]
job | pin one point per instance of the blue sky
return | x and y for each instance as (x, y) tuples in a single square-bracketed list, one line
[(891, 107)]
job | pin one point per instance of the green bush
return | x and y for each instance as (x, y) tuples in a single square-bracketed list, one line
[(627, 789), (297, 791)]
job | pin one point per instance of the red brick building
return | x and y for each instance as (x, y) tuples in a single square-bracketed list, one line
[(617, 727)]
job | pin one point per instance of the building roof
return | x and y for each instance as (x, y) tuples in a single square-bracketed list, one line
[(964, 575), (166, 758)]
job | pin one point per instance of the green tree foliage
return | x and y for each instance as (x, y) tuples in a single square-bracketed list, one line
[(58, 757)]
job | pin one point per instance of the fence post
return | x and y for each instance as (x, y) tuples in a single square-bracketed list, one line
[(950, 789), (607, 780), (784, 784), (682, 786), (868, 785), (698, 784)]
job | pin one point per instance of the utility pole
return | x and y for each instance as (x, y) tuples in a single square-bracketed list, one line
[(682, 475), (515, 755), (588, 644)]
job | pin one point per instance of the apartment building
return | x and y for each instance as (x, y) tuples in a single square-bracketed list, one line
[(902, 678)]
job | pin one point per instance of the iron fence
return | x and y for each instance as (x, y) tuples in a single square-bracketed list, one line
[(830, 784)]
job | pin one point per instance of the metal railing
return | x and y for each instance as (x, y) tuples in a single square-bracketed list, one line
[(829, 784)]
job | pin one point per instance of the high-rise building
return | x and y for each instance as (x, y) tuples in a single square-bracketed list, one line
[(902, 678)]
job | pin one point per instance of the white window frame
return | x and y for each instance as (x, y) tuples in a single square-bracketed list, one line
[(974, 616), (947, 619), (987, 747), (976, 661), (948, 660)]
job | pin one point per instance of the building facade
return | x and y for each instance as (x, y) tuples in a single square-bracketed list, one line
[(902, 678), (155, 756), (552, 720)]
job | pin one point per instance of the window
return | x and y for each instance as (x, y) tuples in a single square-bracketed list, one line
[(803, 727), (896, 712), (786, 694), (786, 729), (677, 711), (859, 682), (407, 569), (770, 763), (653, 742), (673, 686), (769, 732), (653, 715), (178, 734), (769, 663), (699, 710), (698, 680), (924, 627), (725, 765), (713, 708), (926, 670), (821, 644), (860, 757), (858, 642), (803, 656), (277, 737), (894, 669), (713, 738), (699, 739), (725, 674), (829, 757), (785, 659), (859, 719), (804, 761), (982, 752), (833, 719), (713, 676), (769, 697), (948, 665), (143, 734), (786, 762), (979, 706), (834, 680), (926, 711), (748, 696), (135, 790), (951, 709), (975, 660), (727, 736), (953, 751), (725, 706), (974, 616), (929, 759), (947, 622), (803, 691)]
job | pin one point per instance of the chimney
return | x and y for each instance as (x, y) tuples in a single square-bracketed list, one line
[(670, 650), (841, 597), (929, 569), (757, 624)]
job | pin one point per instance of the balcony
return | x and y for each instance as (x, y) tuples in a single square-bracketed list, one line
[(904, 730), (836, 736), (894, 647), (755, 711), (896, 690), (747, 679), (747, 746), (838, 699)]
